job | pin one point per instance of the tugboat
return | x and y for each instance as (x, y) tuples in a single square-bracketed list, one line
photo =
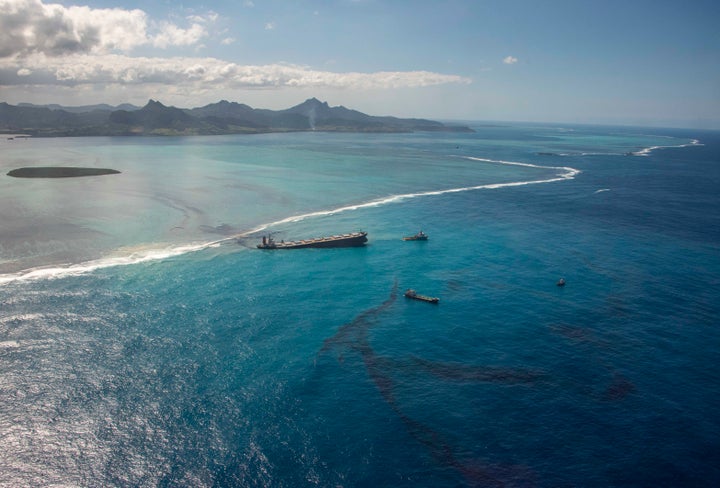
[(355, 239), (420, 236), (410, 293)]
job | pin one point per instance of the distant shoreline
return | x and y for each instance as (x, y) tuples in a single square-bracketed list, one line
[(59, 172), (221, 118)]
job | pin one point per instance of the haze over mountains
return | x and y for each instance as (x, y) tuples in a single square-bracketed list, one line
[(218, 118)]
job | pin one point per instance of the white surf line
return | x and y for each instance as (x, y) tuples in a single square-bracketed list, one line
[(152, 254), (648, 150), (156, 254), (568, 174)]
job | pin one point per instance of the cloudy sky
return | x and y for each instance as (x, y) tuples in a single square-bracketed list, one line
[(633, 62)]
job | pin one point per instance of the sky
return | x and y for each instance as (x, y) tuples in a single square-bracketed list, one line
[(626, 62)]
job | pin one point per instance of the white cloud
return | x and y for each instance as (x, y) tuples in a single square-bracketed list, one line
[(87, 69), (510, 60), (270, 26), (208, 18), (48, 48), (31, 26), (172, 35)]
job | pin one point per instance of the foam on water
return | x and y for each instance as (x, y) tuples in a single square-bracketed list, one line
[(134, 257), (646, 151), (149, 253), (230, 368)]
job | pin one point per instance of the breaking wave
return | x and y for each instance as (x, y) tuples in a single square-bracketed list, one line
[(150, 253), (135, 257), (648, 150), (567, 173)]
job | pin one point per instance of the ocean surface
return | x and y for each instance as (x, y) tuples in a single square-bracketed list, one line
[(145, 341)]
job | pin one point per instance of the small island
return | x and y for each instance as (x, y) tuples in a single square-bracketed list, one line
[(59, 172)]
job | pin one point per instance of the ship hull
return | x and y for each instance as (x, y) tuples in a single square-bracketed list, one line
[(423, 298), (356, 239), (420, 236)]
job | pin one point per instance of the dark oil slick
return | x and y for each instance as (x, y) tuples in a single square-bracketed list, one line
[(476, 472)]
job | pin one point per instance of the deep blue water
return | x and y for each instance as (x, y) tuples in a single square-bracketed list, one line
[(145, 342)]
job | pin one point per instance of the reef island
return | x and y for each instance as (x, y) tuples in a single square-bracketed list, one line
[(59, 172)]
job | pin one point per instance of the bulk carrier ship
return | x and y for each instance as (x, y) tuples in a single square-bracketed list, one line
[(355, 239)]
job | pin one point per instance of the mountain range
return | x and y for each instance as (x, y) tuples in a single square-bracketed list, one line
[(223, 117)]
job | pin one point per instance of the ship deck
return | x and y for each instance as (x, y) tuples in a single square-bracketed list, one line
[(341, 240)]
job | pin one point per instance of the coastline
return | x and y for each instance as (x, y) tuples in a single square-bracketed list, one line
[(154, 250)]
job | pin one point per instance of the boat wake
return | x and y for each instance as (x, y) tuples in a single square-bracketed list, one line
[(150, 253)]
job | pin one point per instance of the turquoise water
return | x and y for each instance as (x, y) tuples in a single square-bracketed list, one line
[(144, 341)]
